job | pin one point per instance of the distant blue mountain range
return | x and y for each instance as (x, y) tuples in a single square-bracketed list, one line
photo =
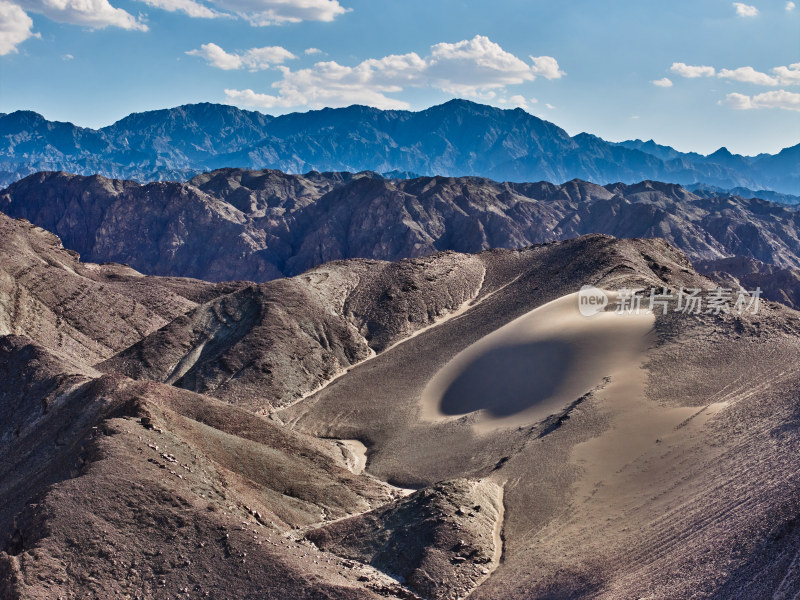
[(453, 139)]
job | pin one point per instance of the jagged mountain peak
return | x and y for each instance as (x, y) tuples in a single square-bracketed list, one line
[(723, 152), (200, 110), (25, 115)]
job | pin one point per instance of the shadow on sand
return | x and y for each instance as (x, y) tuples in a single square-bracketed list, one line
[(507, 380)]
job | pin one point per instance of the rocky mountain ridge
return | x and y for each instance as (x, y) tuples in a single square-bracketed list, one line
[(235, 224)]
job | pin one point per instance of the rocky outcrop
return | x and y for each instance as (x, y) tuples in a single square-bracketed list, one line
[(111, 487), (441, 541)]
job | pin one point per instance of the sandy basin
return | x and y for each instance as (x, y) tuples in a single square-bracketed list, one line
[(538, 364)]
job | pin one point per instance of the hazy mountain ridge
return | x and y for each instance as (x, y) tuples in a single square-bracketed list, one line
[(457, 138), (702, 189)]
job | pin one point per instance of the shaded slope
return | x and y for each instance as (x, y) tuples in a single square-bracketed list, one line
[(777, 284), (172, 228), (84, 311), (111, 486), (267, 345)]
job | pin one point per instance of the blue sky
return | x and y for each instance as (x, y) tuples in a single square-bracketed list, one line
[(695, 75)]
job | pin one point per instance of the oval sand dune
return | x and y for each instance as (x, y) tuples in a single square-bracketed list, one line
[(538, 364)]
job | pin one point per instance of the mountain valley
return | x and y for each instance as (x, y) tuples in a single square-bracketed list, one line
[(204, 439)]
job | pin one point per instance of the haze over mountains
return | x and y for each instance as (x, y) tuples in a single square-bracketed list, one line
[(457, 138)]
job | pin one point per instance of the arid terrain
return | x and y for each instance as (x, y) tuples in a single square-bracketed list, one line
[(445, 426), (235, 224), (352, 300)]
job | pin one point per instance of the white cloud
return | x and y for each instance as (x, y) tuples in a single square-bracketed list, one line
[(343, 96), (773, 99), (474, 68), (96, 14), (15, 27), (790, 6), (635, 117), (255, 59), (788, 75), (190, 7), (690, 71), (783, 75), (310, 51), (263, 58), (747, 75), (739, 101), (663, 82), (547, 67), (278, 12), (332, 84), (217, 57), (550, 106), (67, 57), (486, 96), (745, 10), (477, 64), (517, 101), (388, 71)]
